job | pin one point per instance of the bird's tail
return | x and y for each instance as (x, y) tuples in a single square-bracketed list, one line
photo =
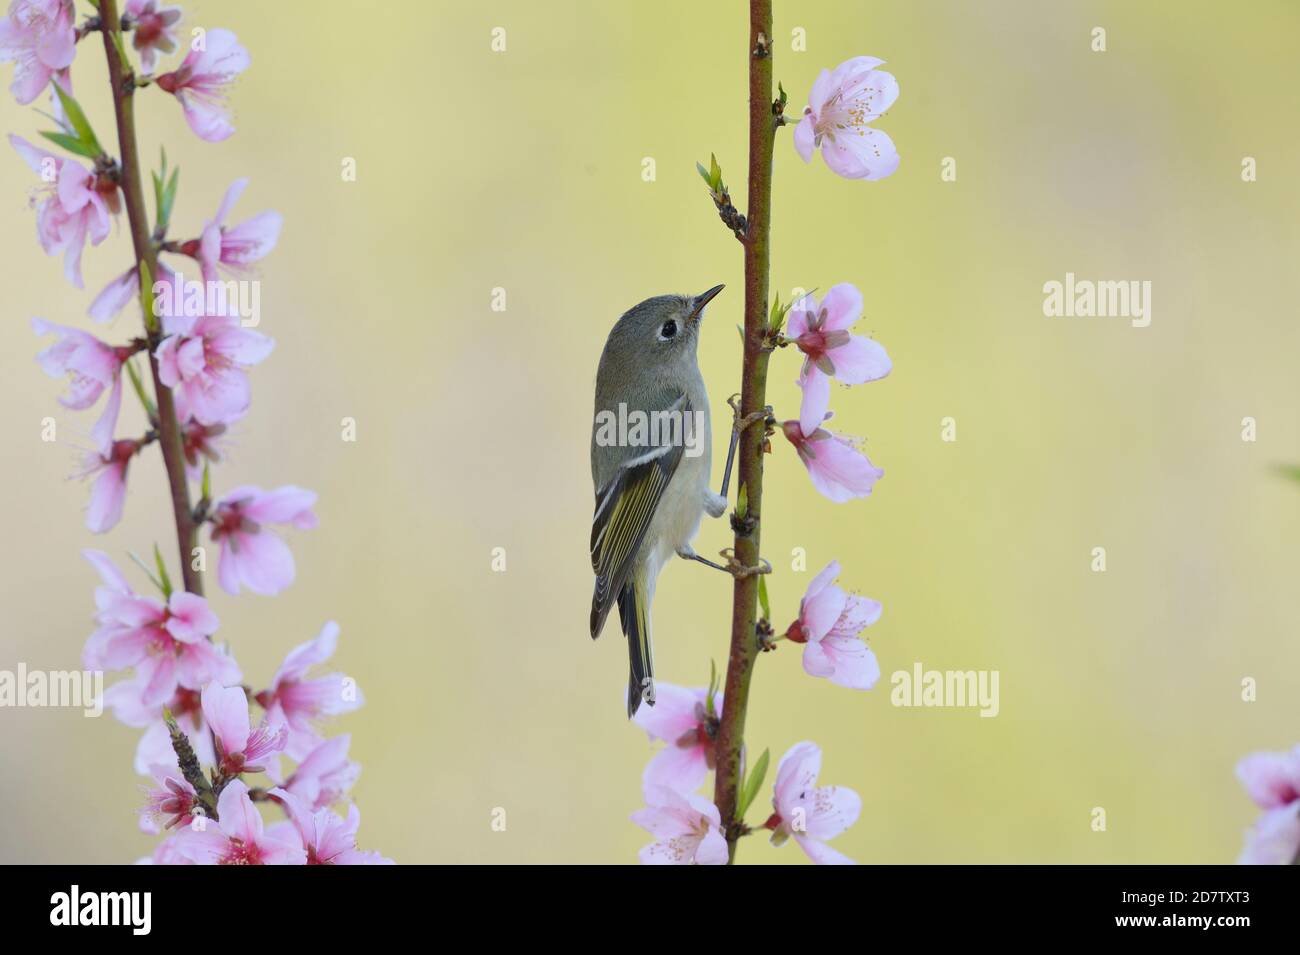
[(634, 614)]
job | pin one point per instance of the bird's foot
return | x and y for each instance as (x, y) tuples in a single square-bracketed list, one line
[(743, 422), (739, 570), (686, 552)]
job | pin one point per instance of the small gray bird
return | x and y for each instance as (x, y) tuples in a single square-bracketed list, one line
[(651, 488)]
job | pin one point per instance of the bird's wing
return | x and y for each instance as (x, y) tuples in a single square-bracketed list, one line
[(625, 507)]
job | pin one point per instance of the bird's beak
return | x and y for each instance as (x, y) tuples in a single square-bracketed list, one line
[(704, 298)]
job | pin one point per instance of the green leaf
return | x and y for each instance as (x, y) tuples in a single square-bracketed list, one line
[(782, 97), (121, 50), (776, 317), (713, 687), (762, 597), (206, 492), (742, 501), (80, 125), (72, 144), (162, 573), (147, 572), (138, 385), (1291, 471), (704, 174), (755, 782), (168, 200), (147, 296)]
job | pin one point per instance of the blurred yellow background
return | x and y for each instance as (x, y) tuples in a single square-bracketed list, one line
[(522, 170)]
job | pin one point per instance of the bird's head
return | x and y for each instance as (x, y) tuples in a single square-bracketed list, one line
[(661, 331)]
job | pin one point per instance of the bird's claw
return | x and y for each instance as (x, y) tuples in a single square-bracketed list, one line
[(743, 422), (739, 570)]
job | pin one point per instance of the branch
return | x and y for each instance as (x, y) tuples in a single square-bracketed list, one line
[(753, 394), (169, 432)]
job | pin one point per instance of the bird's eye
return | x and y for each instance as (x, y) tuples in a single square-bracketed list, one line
[(668, 330)]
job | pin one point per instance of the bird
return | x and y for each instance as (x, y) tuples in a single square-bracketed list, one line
[(651, 495)]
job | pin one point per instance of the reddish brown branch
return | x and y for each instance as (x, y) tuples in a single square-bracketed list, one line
[(123, 83), (753, 397)]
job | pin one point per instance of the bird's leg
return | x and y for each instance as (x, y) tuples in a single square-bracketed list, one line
[(688, 553), (738, 424), (740, 571)]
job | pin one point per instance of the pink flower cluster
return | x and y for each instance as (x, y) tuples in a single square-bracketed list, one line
[(1272, 780), (839, 471), (181, 673), (687, 827), (200, 744)]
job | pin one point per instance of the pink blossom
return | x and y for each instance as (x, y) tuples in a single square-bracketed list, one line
[(202, 442), (326, 774), (41, 38), (238, 838), (828, 626), (236, 247), (1271, 779), (166, 643), (810, 813), (154, 30), (164, 853), (821, 333), (250, 555), (201, 82), (108, 493), (681, 719), (169, 803), (203, 360), (839, 471), (327, 838), (1274, 839), (91, 367), (239, 746), (687, 829), (301, 703), (114, 296), (73, 205), (840, 106)]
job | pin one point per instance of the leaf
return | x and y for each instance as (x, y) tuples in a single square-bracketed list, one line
[(147, 572), (742, 501), (121, 51), (80, 125), (1291, 471), (168, 200), (72, 144), (162, 573), (762, 597), (206, 492), (138, 385), (147, 296), (755, 782)]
